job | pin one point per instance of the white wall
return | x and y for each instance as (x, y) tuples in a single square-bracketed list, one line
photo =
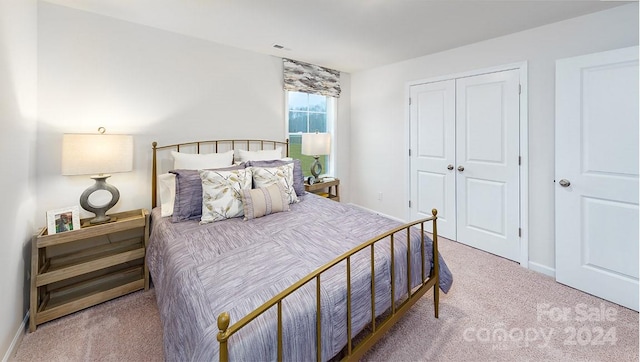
[(378, 140), (18, 105), (157, 85)]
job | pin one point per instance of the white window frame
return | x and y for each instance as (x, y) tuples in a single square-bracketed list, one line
[(332, 112)]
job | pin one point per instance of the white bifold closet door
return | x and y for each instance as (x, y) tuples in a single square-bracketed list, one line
[(465, 159)]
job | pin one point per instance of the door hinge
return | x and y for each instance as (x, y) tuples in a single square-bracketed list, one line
[(519, 88), (409, 100), (520, 232), (519, 160), (409, 152), (409, 203)]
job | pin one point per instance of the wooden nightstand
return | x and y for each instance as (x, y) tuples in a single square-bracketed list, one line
[(328, 189), (77, 269)]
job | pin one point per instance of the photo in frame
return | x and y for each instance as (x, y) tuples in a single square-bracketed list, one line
[(64, 219)]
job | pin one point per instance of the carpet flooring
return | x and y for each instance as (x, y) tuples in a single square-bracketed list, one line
[(496, 311)]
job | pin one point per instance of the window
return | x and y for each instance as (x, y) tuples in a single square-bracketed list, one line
[(309, 113)]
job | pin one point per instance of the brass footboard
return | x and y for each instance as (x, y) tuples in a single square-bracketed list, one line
[(377, 331)]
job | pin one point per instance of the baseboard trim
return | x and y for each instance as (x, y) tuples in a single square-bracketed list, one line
[(13, 347), (537, 267), (379, 213), (542, 269)]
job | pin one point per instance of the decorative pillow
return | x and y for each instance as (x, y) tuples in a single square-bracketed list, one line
[(264, 201), (244, 156), (298, 178), (221, 197), (167, 187), (188, 199), (194, 161), (267, 176)]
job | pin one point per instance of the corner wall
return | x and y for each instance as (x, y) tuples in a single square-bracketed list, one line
[(378, 118), (18, 112)]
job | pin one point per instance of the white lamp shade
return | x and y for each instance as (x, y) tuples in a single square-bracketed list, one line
[(90, 154), (316, 144)]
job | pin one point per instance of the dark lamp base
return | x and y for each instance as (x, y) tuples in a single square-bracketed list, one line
[(91, 223), (316, 168), (99, 210)]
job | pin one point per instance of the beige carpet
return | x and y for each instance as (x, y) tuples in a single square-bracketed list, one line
[(496, 311)]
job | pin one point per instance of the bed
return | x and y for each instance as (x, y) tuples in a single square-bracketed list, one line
[(292, 285)]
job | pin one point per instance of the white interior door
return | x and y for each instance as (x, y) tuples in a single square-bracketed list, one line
[(465, 152), (487, 156), (597, 174), (433, 154)]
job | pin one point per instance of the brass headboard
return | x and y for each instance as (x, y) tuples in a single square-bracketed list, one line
[(210, 147)]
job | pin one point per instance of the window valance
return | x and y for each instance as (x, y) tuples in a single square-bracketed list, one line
[(310, 78)]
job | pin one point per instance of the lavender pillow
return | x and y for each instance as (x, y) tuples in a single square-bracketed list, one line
[(298, 178), (188, 201)]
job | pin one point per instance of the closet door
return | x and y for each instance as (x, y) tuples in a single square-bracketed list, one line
[(487, 155), (465, 159), (432, 114)]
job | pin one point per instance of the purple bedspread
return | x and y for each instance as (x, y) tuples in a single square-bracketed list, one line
[(200, 271)]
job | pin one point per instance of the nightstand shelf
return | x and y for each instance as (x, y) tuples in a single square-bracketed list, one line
[(72, 298), (328, 189), (81, 268), (54, 271)]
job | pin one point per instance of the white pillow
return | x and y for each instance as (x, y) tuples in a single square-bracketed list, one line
[(263, 155), (221, 193), (194, 161), (267, 176), (167, 186)]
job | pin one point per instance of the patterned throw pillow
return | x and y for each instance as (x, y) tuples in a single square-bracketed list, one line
[(264, 201), (188, 198), (267, 176), (298, 178), (221, 194)]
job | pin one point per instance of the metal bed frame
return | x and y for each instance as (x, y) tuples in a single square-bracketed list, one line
[(377, 327)]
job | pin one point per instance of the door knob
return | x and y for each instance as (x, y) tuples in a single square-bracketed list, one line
[(564, 183), (450, 167), (460, 168)]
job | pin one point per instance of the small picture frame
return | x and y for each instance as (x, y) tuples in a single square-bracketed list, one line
[(64, 219)]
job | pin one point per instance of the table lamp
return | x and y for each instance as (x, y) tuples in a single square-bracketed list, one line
[(316, 145), (98, 155)]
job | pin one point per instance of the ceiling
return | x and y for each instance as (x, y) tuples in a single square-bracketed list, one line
[(347, 35)]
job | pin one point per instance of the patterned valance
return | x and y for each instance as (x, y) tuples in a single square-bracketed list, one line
[(309, 78)]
